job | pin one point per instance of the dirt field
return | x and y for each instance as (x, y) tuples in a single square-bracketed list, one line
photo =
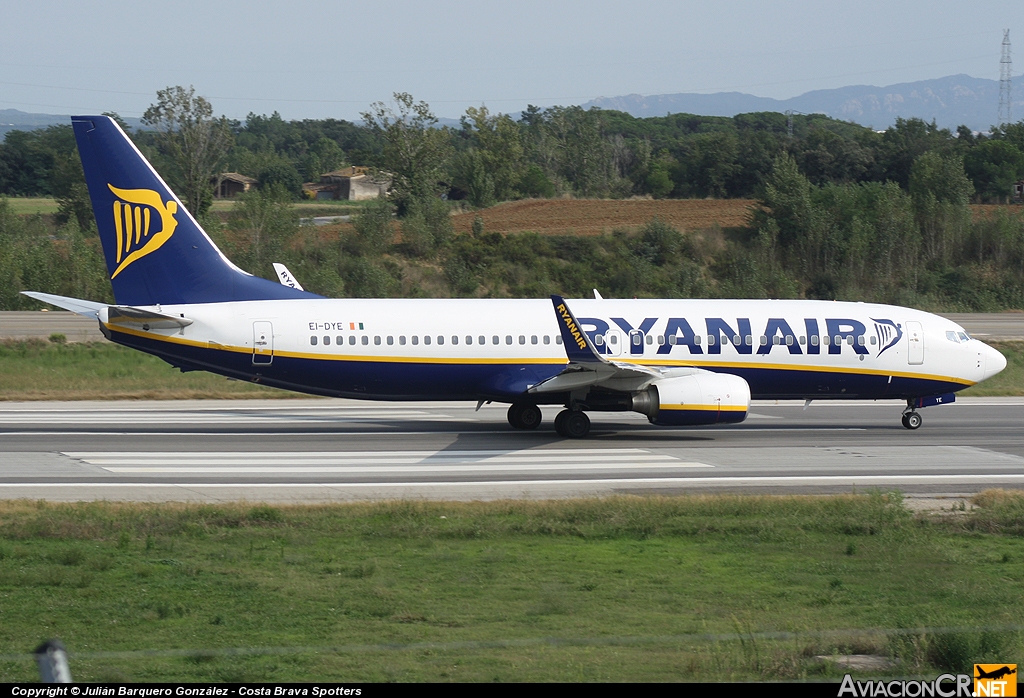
[(595, 216)]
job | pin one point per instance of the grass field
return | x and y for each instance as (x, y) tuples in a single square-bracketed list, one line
[(577, 590), (27, 206), (38, 370)]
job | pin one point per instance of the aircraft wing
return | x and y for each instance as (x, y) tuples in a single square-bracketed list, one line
[(586, 366), (113, 314)]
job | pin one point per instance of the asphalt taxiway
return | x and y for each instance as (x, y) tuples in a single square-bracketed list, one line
[(341, 450)]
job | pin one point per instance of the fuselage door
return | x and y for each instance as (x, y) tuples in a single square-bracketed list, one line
[(636, 342), (915, 343), (262, 342), (613, 338)]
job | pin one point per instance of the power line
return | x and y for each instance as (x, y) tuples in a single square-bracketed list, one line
[(1005, 75)]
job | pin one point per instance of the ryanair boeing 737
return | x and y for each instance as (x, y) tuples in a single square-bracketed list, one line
[(679, 362)]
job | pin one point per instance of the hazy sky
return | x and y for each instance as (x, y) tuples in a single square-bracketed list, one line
[(332, 59)]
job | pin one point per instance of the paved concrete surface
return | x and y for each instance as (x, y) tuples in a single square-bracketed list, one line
[(340, 450)]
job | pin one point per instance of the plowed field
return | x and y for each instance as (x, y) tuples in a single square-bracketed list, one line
[(595, 216)]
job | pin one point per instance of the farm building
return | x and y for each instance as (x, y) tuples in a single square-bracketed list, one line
[(347, 184), (230, 184)]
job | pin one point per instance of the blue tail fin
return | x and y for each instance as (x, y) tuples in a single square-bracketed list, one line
[(156, 252)]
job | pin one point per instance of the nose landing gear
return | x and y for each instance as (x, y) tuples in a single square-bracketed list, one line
[(911, 420)]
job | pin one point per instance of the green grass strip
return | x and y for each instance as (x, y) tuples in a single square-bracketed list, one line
[(618, 589)]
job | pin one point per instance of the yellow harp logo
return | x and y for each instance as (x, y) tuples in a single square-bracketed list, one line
[(132, 214)]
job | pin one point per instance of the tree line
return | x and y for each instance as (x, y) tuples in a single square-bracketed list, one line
[(844, 212)]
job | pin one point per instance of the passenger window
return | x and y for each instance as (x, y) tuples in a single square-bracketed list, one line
[(469, 339), (860, 340), (814, 340), (614, 339), (661, 339), (837, 340), (440, 339), (673, 339), (558, 339), (599, 340), (415, 339), (533, 339), (789, 340), (376, 340), (803, 340), (327, 341), (352, 339), (495, 340), (455, 339), (366, 340), (637, 340), (312, 340), (849, 340), (482, 340), (547, 339), (426, 339), (339, 340), (401, 340), (776, 340), (750, 340), (737, 340), (872, 340), (508, 339), (650, 339), (763, 340), (711, 340), (696, 339), (522, 339), (391, 340), (825, 340)]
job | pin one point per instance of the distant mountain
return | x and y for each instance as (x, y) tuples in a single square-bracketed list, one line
[(15, 120), (950, 101)]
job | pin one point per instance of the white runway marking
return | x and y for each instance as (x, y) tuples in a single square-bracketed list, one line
[(682, 480), (379, 462)]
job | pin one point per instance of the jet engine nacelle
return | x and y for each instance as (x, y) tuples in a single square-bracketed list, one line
[(702, 397)]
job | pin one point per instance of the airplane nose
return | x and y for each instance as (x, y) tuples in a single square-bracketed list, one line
[(994, 361)]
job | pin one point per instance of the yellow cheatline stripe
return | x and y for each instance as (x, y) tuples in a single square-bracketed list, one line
[(547, 362), (704, 408), (789, 367)]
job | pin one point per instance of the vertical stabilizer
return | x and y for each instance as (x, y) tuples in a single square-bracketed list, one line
[(155, 250)]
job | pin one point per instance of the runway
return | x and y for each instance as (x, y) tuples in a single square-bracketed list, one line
[(341, 450)]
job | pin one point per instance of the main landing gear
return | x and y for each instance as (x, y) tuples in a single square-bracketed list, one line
[(524, 416), (572, 424), (911, 419)]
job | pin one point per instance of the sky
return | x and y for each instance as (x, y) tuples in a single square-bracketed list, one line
[(323, 59)]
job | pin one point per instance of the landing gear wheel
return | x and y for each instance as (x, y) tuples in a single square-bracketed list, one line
[(572, 424), (524, 416), (912, 420)]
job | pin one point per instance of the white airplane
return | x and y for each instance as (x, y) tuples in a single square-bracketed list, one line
[(679, 362)]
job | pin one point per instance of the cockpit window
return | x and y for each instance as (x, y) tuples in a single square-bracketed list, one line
[(964, 337), (951, 336)]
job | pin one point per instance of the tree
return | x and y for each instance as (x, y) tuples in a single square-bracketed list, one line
[(416, 152), (994, 166), (190, 135)]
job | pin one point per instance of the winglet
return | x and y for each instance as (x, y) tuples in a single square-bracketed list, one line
[(286, 277), (578, 346)]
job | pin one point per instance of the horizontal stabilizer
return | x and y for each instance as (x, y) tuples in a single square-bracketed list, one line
[(147, 319), (75, 305)]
